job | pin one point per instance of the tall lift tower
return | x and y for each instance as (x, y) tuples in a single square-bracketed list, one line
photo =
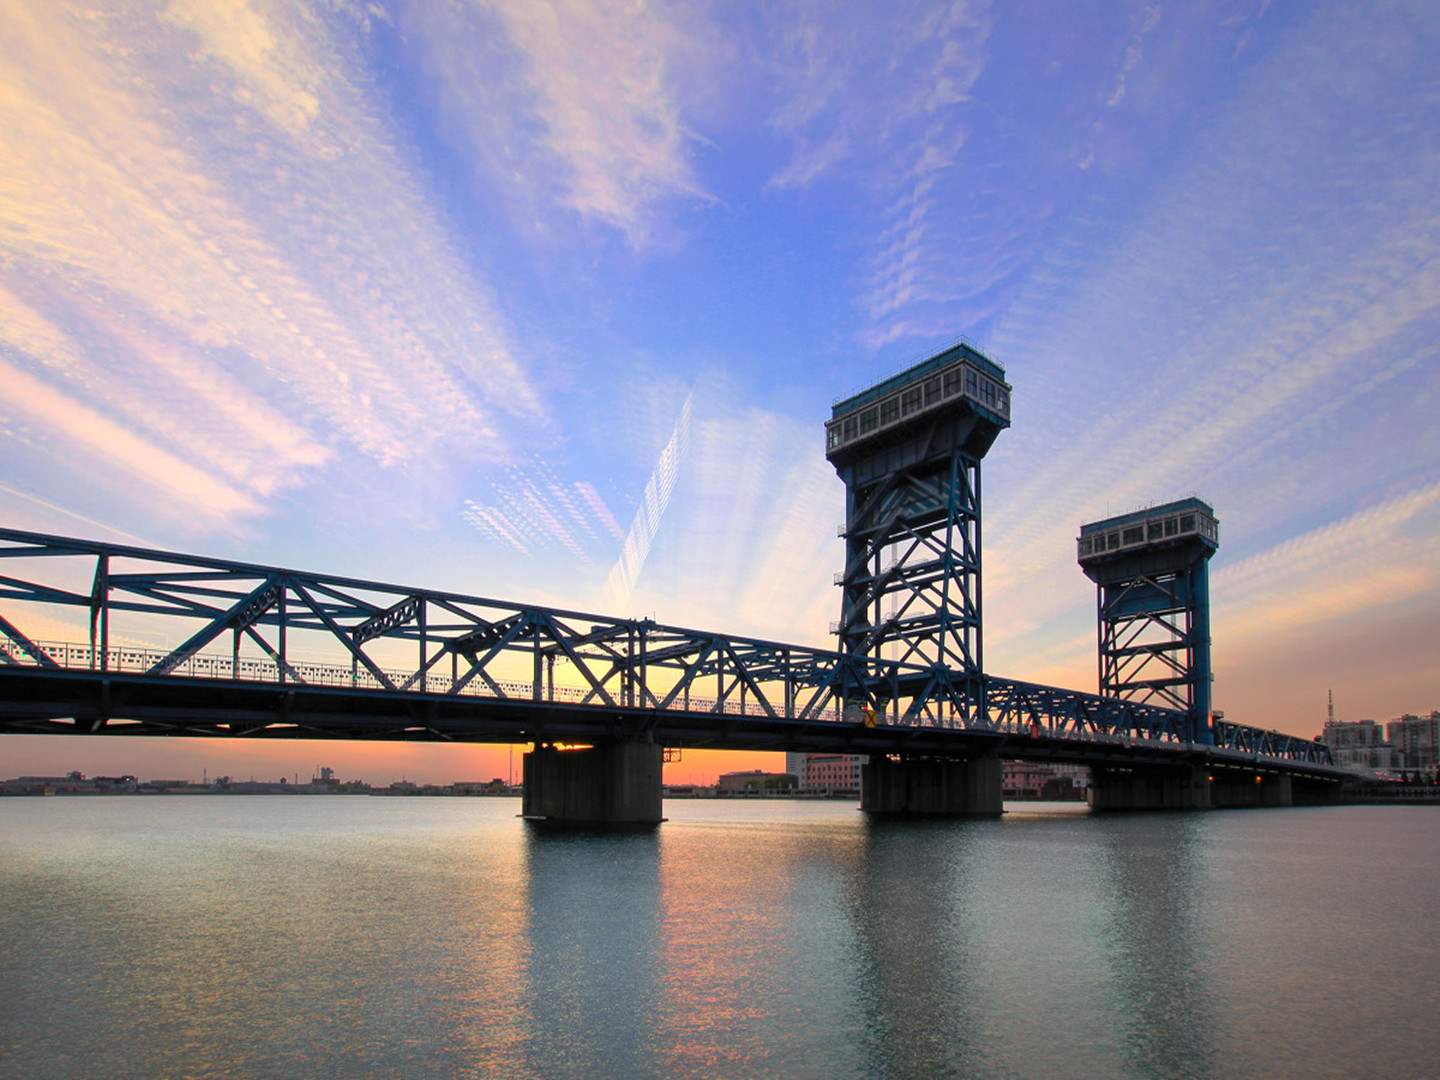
[(1152, 580), (909, 452)]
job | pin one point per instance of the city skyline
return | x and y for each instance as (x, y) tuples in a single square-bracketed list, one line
[(549, 302)]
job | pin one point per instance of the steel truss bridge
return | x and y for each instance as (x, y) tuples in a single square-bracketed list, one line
[(98, 638)]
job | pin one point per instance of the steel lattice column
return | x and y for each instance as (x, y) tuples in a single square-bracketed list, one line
[(909, 451), (1151, 571), (912, 566)]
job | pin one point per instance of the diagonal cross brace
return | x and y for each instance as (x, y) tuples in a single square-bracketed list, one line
[(26, 645), (343, 636), (495, 643), (689, 673), (549, 623), (280, 662), (240, 610)]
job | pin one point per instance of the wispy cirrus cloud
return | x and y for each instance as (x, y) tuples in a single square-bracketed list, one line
[(1288, 377), (1134, 52), (1373, 558), (213, 241), (110, 444), (748, 544), (274, 72), (1254, 334), (579, 111), (843, 98), (1229, 324), (646, 524), (532, 511), (898, 119), (600, 70)]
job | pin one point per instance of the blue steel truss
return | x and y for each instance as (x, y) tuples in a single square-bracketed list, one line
[(1152, 584), (239, 624), (909, 453)]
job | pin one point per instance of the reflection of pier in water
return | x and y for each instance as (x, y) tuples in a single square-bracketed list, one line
[(982, 943), (1154, 913), (593, 969), (908, 901)]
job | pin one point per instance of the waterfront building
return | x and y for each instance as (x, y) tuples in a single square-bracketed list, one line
[(798, 766), (741, 783), (1023, 779), (826, 773), (834, 773), (1417, 738), (1362, 744), (72, 783)]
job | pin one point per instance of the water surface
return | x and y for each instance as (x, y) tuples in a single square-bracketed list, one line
[(384, 937)]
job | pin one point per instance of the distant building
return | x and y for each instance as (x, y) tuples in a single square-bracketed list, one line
[(1417, 738), (116, 783), (1361, 744), (1023, 779), (495, 786), (753, 782), (73, 783), (1077, 775), (832, 773), (798, 766)]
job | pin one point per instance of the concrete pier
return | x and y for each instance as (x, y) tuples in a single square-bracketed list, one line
[(932, 787), (612, 786), (1151, 787), (1251, 789), (1205, 786)]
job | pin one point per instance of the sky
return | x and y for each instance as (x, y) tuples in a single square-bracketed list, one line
[(548, 301)]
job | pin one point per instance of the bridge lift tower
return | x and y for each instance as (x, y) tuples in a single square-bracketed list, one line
[(1152, 579), (909, 452)]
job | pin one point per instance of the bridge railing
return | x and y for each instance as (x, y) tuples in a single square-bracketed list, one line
[(72, 656), (396, 639)]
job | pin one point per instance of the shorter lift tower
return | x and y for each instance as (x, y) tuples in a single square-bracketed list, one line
[(1152, 578), (909, 451)]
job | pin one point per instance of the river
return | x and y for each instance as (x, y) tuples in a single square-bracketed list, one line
[(264, 937)]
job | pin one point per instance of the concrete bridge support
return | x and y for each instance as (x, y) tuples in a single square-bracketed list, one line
[(1231, 789), (1150, 787), (612, 786), (932, 787), (1314, 791)]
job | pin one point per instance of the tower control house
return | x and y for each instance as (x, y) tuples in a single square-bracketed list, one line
[(1151, 573), (909, 452)]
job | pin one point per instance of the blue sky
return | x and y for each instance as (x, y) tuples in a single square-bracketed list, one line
[(549, 301)]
